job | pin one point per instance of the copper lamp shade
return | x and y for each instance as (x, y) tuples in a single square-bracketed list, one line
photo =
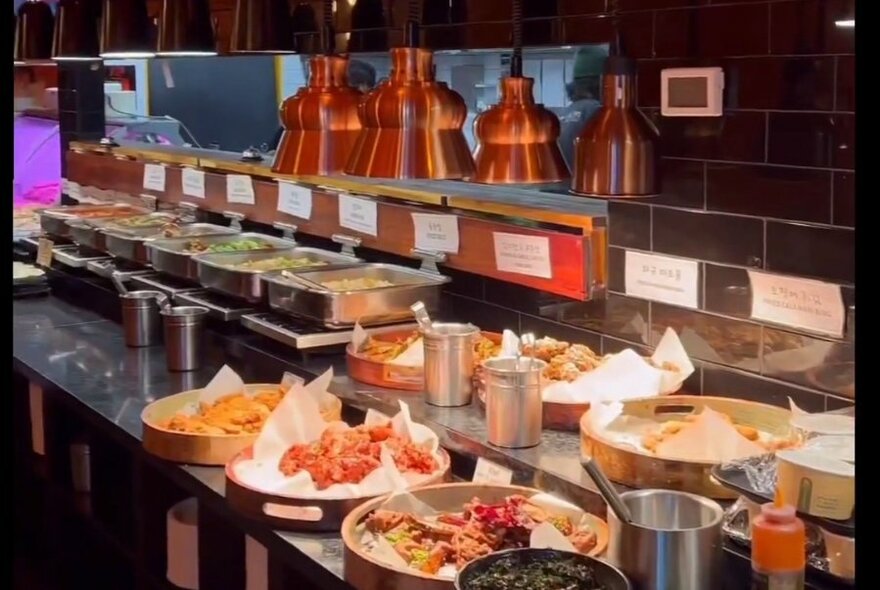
[(321, 122), (76, 31), (412, 125), (33, 32), (616, 153), (185, 29), (126, 29), (517, 139), (262, 26)]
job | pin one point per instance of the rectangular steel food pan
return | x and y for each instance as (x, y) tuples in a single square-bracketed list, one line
[(168, 255), (336, 309), (216, 272), (86, 234), (53, 221), (129, 244)]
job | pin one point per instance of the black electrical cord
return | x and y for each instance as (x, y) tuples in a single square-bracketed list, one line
[(327, 30), (412, 23), (617, 42), (516, 59)]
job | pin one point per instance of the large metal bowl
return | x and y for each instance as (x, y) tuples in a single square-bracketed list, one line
[(169, 255)]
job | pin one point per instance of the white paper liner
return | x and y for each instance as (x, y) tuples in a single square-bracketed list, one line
[(412, 356), (544, 536), (297, 420), (828, 423)]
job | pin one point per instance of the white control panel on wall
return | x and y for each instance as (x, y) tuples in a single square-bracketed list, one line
[(691, 92)]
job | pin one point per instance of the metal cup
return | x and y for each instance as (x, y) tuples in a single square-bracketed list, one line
[(673, 543), (449, 364), (514, 407), (140, 317), (183, 337)]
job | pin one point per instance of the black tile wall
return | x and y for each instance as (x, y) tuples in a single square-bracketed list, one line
[(768, 185)]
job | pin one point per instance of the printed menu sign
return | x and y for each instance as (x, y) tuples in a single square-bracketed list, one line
[(240, 189), (662, 278), (799, 303), (44, 252), (294, 200), (436, 233), (524, 255), (193, 183), (359, 214), (491, 473), (154, 177)]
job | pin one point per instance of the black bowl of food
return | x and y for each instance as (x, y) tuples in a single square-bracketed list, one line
[(539, 569)]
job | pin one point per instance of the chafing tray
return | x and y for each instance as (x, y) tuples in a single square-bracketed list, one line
[(129, 244), (168, 255), (216, 272), (86, 234), (302, 294), (54, 220)]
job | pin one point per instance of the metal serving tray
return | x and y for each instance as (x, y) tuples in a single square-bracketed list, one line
[(74, 257), (215, 272), (86, 234), (130, 244), (54, 220), (336, 309), (167, 255)]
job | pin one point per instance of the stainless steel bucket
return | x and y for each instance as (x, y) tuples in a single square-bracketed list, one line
[(449, 364), (514, 407), (183, 337), (140, 317)]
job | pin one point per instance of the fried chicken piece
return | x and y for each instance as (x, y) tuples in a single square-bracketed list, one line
[(382, 521), (546, 348), (190, 424), (472, 542), (652, 440), (584, 540), (748, 432), (440, 554), (405, 549)]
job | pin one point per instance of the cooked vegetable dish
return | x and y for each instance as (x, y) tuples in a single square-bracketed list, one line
[(383, 351), (199, 247), (277, 263), (510, 573), (356, 284)]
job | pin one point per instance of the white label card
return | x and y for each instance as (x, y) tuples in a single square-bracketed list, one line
[(192, 183), (436, 233), (295, 200), (240, 189), (491, 473), (524, 255), (154, 177), (359, 214), (799, 303), (662, 278), (44, 252)]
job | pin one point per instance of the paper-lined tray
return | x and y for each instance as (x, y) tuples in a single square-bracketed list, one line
[(614, 435), (371, 564), (618, 377), (210, 449)]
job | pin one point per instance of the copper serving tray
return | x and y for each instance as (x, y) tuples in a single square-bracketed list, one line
[(365, 572), (632, 467), (203, 449), (299, 514), (381, 374)]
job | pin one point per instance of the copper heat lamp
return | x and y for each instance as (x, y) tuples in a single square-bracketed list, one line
[(320, 121), (412, 123), (517, 139)]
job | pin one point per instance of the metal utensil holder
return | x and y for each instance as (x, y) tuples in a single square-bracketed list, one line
[(514, 407)]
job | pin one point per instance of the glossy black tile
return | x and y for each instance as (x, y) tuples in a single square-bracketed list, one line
[(727, 290), (846, 84), (718, 381), (463, 283), (710, 338), (482, 314), (836, 403), (616, 315), (681, 184), (524, 299), (708, 236), (481, 11), (811, 251), (707, 31), (769, 191), (809, 27), (636, 31), (571, 7), (614, 345), (629, 225), (616, 269), (845, 198), (737, 135), (811, 139), (541, 327), (655, 4), (780, 83), (812, 362)]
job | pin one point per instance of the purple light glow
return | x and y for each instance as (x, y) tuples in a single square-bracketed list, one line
[(37, 156)]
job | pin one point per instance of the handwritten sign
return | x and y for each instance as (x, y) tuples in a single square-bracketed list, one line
[(492, 473), (192, 183), (524, 255), (154, 177), (799, 303), (662, 278), (240, 189), (44, 252), (436, 233), (294, 200), (359, 214)]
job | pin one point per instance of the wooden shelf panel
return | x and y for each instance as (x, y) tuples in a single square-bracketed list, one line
[(576, 256)]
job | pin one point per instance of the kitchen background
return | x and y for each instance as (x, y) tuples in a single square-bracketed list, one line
[(769, 185)]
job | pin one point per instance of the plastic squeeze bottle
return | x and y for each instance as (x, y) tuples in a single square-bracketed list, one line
[(778, 548)]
